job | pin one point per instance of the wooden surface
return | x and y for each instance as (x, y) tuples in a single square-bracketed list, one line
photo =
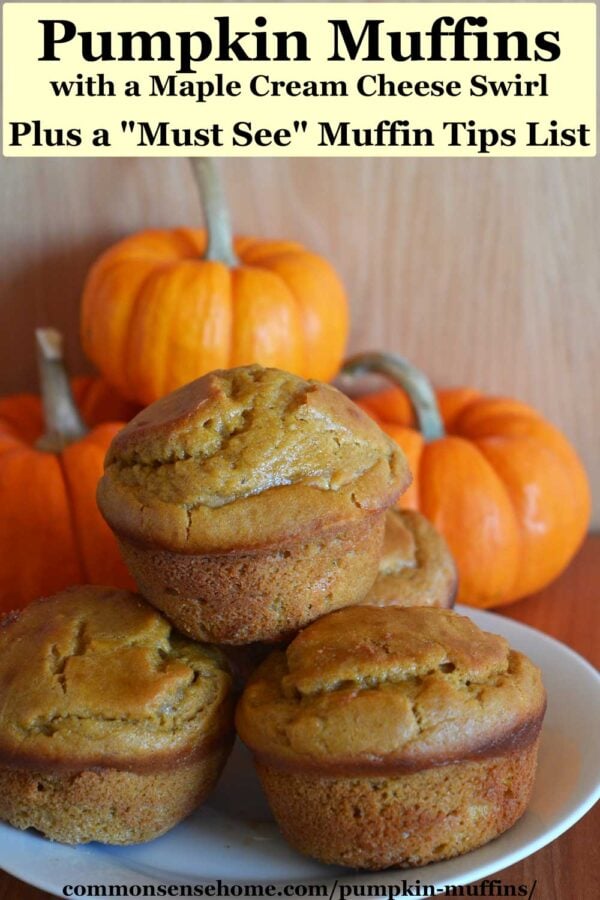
[(569, 868), (484, 272)]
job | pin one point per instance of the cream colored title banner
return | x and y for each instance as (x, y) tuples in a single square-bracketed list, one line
[(299, 79)]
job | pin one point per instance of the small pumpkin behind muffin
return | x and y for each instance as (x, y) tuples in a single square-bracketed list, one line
[(250, 502), (113, 727), (416, 567), (394, 736)]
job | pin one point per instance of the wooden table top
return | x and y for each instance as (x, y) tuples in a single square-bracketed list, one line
[(569, 868)]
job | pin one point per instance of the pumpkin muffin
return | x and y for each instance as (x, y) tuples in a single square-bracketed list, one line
[(416, 568), (113, 727), (394, 736), (249, 502)]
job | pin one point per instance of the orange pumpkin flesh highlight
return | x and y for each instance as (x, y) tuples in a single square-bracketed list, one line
[(504, 487)]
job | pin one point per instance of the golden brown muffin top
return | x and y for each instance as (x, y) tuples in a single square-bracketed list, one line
[(96, 676), (416, 566), (300, 448), (389, 688)]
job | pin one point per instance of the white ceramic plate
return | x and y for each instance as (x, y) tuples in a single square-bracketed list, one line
[(233, 837)]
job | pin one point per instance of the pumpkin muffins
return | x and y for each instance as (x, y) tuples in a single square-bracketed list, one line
[(416, 567), (251, 501), (394, 736), (113, 727)]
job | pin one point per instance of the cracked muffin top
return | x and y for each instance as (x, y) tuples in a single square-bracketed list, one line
[(416, 567), (95, 676), (370, 688), (283, 453)]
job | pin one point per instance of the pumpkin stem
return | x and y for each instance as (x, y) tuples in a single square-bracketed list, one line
[(61, 416), (410, 379), (219, 245)]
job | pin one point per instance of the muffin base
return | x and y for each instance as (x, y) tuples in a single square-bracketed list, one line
[(404, 820), (107, 805), (261, 595)]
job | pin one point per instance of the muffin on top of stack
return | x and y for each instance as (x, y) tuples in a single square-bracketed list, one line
[(251, 501)]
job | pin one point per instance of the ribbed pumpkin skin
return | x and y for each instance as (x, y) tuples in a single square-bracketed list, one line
[(505, 488), (156, 315), (51, 533), (98, 402)]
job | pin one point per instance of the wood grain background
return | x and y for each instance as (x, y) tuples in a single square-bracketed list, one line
[(481, 271)]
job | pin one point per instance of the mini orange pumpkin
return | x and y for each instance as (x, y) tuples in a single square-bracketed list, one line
[(51, 533), (504, 487), (161, 308)]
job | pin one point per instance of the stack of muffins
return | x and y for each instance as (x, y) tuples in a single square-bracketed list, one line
[(256, 512)]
